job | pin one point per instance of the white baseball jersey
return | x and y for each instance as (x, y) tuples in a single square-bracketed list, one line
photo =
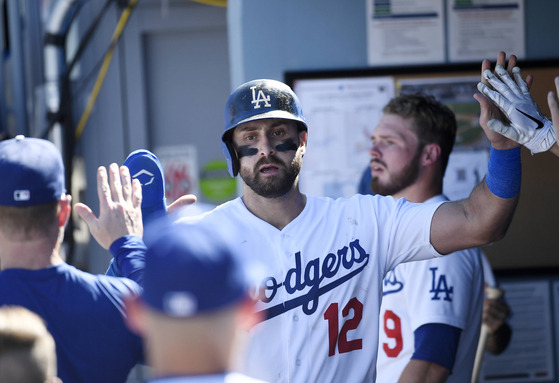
[(447, 290), (231, 377), (322, 291)]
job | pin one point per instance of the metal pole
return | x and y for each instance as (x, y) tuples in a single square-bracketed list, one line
[(17, 67), (3, 106)]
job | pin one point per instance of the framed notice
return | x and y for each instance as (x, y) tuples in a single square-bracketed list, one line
[(343, 113), (531, 355)]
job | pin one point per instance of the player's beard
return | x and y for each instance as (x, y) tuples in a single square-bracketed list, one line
[(400, 181), (277, 186)]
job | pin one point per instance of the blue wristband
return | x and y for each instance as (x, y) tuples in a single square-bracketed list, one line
[(504, 172)]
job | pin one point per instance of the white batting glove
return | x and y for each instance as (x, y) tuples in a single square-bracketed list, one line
[(528, 126)]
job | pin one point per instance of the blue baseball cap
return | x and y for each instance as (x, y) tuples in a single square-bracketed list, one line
[(32, 172), (145, 166), (191, 270)]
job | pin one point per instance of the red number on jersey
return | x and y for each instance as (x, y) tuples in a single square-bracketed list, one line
[(395, 332), (331, 315)]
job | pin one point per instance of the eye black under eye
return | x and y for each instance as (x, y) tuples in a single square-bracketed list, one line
[(246, 151), (286, 146)]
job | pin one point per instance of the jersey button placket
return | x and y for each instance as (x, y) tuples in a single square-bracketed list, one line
[(286, 262)]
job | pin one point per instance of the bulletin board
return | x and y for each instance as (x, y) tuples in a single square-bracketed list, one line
[(532, 242)]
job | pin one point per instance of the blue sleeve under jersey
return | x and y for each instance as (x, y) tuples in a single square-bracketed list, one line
[(364, 186), (129, 253), (437, 343)]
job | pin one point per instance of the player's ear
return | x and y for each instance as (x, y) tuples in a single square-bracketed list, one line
[(134, 314), (431, 154), (65, 210), (303, 141), (303, 137)]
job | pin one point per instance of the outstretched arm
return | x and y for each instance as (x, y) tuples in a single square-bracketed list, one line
[(486, 214)]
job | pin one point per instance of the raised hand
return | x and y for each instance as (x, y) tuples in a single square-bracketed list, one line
[(526, 125), (120, 204), (490, 111)]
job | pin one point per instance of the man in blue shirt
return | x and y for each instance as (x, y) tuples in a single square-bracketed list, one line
[(82, 311)]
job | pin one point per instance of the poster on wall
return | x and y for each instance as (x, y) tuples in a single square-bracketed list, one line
[(529, 356), (477, 29), (405, 31), (341, 115), (180, 167)]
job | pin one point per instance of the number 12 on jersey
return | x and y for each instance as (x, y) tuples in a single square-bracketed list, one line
[(340, 337)]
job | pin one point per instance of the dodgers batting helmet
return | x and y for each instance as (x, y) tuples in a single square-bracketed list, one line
[(257, 100)]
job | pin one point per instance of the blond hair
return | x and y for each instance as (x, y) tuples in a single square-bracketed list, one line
[(27, 349)]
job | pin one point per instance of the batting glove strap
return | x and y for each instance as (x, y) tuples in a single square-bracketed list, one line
[(536, 140), (543, 140)]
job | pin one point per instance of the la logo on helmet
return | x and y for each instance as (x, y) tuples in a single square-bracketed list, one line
[(258, 98)]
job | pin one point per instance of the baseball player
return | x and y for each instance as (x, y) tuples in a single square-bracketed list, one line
[(82, 311), (327, 258), (430, 317), (495, 310), (196, 298)]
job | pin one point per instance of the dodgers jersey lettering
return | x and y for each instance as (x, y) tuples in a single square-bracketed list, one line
[(447, 290), (322, 287)]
